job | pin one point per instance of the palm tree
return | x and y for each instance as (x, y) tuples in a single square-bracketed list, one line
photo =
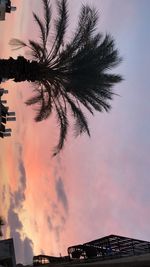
[(67, 75), (2, 222)]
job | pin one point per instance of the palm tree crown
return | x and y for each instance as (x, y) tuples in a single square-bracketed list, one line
[(71, 74)]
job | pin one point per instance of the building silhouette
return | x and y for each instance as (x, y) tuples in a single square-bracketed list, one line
[(108, 251), (5, 7), (7, 253), (5, 116)]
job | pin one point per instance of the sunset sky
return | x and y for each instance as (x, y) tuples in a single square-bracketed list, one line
[(97, 186)]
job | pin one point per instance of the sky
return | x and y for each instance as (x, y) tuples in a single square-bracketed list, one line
[(96, 186)]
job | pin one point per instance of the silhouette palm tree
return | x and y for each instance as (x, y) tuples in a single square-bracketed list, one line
[(67, 75), (1, 224)]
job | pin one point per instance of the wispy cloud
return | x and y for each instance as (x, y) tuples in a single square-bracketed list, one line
[(49, 221), (61, 193), (19, 194)]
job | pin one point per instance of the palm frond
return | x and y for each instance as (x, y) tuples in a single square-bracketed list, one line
[(37, 51), (44, 106), (86, 26), (42, 112), (60, 28), (17, 43), (41, 25), (81, 124), (63, 125), (47, 17), (33, 100), (89, 17)]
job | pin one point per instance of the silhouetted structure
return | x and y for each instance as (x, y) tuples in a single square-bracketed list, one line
[(5, 116), (112, 250), (44, 259), (112, 246), (7, 253), (5, 7)]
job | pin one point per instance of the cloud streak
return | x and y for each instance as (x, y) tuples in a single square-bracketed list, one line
[(61, 193)]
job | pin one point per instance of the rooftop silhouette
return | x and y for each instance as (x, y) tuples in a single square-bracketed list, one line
[(6, 7), (5, 115)]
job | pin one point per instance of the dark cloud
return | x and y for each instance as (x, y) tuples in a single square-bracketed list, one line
[(28, 250), (61, 194), (22, 173), (21, 167), (18, 244), (23, 247), (13, 221), (62, 198), (19, 195), (56, 228)]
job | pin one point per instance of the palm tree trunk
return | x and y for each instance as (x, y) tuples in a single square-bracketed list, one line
[(19, 69)]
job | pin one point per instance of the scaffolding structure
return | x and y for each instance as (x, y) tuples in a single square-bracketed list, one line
[(106, 248), (109, 247)]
